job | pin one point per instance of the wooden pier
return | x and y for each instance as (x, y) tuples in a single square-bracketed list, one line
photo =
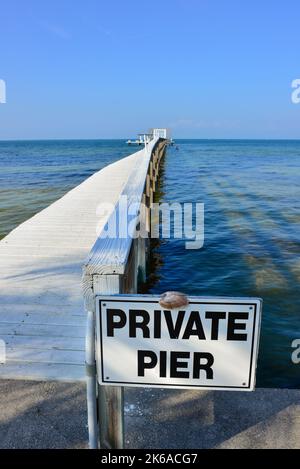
[(47, 307), (42, 316)]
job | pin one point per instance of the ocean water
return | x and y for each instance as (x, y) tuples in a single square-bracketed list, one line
[(34, 174), (251, 192)]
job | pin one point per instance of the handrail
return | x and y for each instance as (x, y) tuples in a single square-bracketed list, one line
[(113, 267), (110, 255)]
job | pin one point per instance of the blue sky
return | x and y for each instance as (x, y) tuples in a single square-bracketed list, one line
[(98, 69)]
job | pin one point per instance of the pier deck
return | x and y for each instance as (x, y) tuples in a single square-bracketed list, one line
[(42, 318)]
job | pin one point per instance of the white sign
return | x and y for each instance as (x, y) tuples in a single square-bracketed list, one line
[(210, 344)]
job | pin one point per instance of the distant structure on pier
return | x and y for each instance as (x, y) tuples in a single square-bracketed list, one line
[(147, 137), (160, 133)]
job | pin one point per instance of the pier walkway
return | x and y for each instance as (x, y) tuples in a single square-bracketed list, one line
[(42, 317)]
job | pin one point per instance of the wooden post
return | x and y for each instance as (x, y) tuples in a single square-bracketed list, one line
[(110, 398), (147, 213), (142, 259), (148, 183), (141, 240), (111, 416)]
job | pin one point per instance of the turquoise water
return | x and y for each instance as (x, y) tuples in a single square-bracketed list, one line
[(34, 174), (251, 193)]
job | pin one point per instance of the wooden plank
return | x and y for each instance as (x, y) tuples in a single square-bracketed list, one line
[(64, 357), (46, 299), (46, 330), (57, 319), (41, 251), (44, 342), (39, 309), (43, 372)]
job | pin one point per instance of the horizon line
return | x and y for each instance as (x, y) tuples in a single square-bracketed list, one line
[(126, 138)]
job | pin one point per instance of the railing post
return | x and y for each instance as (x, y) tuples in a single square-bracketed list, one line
[(111, 416), (142, 240), (115, 280), (91, 381), (110, 398)]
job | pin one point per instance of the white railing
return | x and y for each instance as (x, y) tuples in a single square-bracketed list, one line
[(113, 267)]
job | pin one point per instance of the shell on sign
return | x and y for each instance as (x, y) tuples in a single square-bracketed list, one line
[(173, 299)]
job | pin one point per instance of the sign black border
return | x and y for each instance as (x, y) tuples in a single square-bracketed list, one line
[(158, 385)]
